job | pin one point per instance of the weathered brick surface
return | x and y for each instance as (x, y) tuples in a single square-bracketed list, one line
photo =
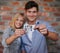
[(1, 23), (48, 0), (57, 14), (6, 8), (6, 17), (49, 10), (15, 3), (55, 24)]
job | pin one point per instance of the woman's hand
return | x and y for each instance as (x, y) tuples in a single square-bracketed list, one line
[(19, 32)]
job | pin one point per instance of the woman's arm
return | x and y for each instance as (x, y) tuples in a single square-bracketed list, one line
[(17, 33), (47, 31), (10, 39)]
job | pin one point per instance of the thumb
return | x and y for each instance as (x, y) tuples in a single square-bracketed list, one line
[(36, 27)]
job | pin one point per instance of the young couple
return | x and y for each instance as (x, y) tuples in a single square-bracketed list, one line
[(28, 34)]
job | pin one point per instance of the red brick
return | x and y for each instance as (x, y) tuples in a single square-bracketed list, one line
[(48, 0), (2, 23), (13, 13), (48, 19), (7, 8), (45, 14), (20, 8), (6, 17), (44, 4), (2, 27), (3, 13), (57, 14), (55, 24), (50, 9), (15, 3), (58, 9), (46, 8)]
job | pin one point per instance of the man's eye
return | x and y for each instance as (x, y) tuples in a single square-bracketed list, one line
[(29, 11), (34, 11)]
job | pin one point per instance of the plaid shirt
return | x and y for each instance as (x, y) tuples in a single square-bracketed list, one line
[(14, 47)]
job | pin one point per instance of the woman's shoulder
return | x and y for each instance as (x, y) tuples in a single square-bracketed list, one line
[(8, 28)]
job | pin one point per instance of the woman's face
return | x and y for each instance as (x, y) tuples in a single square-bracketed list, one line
[(19, 22)]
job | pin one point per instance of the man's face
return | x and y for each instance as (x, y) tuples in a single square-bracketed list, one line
[(31, 14)]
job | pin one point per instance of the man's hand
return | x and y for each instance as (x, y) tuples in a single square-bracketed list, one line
[(42, 29)]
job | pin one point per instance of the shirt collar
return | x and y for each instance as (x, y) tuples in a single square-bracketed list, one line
[(37, 22)]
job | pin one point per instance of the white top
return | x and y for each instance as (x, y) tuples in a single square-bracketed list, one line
[(29, 30)]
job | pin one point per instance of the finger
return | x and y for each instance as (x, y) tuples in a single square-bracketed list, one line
[(44, 31), (36, 27), (22, 32), (42, 26)]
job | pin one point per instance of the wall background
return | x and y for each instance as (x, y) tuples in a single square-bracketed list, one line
[(49, 10)]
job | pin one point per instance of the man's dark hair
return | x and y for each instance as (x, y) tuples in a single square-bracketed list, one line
[(31, 4)]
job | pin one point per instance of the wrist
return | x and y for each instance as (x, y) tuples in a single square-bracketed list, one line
[(47, 33), (15, 36)]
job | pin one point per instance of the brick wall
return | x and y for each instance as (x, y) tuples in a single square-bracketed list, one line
[(49, 10)]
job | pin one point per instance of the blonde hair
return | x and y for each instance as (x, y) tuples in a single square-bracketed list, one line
[(14, 19)]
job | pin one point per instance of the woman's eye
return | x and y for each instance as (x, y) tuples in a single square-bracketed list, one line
[(17, 19), (29, 11), (21, 20)]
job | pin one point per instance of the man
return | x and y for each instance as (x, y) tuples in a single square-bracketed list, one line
[(36, 30)]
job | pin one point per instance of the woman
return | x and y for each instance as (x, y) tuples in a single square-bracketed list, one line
[(11, 39)]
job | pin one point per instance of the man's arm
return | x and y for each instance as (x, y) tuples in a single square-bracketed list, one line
[(52, 35)]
